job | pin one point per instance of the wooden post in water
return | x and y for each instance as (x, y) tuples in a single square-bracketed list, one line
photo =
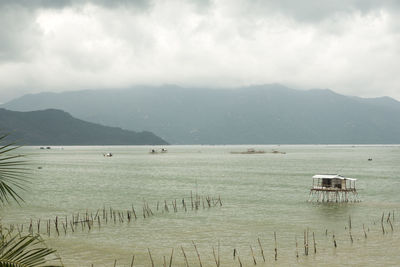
[(306, 242), (334, 240), (252, 254), (198, 255), (184, 256), (315, 244), (191, 198), (391, 225), (219, 260), (365, 233), (170, 259), (240, 263), (276, 248), (133, 259), (261, 248), (215, 257), (151, 258)]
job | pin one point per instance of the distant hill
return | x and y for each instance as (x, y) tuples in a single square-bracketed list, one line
[(268, 114), (56, 127)]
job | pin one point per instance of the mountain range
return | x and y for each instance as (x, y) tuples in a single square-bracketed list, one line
[(56, 127), (265, 114)]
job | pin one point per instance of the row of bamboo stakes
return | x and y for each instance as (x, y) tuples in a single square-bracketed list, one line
[(309, 239), (88, 220), (307, 243)]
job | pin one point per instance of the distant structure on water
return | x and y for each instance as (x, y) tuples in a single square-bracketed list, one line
[(333, 188), (154, 151)]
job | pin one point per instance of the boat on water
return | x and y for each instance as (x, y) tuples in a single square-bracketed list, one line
[(156, 151), (249, 151), (277, 152), (253, 151), (108, 155)]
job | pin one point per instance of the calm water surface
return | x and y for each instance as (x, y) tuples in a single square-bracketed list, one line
[(261, 194)]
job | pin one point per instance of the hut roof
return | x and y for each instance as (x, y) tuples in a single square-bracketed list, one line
[(332, 176)]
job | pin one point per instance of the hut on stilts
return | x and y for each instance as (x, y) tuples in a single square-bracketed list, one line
[(333, 188)]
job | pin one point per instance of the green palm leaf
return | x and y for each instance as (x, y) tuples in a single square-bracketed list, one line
[(17, 250), (12, 172), (25, 251)]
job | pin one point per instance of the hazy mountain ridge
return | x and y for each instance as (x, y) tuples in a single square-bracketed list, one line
[(255, 114), (56, 127)]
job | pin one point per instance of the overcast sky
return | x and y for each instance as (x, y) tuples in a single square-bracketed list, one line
[(349, 46)]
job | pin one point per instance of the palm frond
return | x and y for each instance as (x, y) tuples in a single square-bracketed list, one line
[(26, 251), (13, 171)]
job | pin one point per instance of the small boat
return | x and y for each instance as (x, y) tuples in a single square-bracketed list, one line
[(154, 151), (108, 155)]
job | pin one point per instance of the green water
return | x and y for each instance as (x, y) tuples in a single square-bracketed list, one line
[(261, 194)]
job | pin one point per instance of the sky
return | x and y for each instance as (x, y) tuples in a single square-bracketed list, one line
[(349, 46)]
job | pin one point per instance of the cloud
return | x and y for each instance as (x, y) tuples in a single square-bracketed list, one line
[(348, 46)]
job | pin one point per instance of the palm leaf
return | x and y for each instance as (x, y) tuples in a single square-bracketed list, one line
[(12, 172), (26, 251)]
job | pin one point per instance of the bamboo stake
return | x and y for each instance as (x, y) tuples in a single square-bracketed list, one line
[(391, 226), (134, 213), (198, 255), (315, 244), (184, 256), (170, 259), (349, 222), (191, 198), (219, 261), (240, 263), (133, 259), (365, 234), (151, 258), (261, 248), (215, 257), (334, 240), (276, 248), (252, 254)]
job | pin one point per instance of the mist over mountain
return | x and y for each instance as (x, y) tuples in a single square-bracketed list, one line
[(56, 127), (267, 114)]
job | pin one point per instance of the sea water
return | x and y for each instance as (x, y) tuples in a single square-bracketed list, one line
[(261, 194)]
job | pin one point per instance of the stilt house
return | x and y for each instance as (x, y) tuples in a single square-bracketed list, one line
[(333, 188)]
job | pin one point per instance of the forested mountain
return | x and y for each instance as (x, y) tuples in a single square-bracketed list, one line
[(268, 114), (56, 127)]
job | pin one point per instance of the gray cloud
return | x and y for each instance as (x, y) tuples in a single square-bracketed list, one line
[(315, 10), (349, 46), (57, 4)]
